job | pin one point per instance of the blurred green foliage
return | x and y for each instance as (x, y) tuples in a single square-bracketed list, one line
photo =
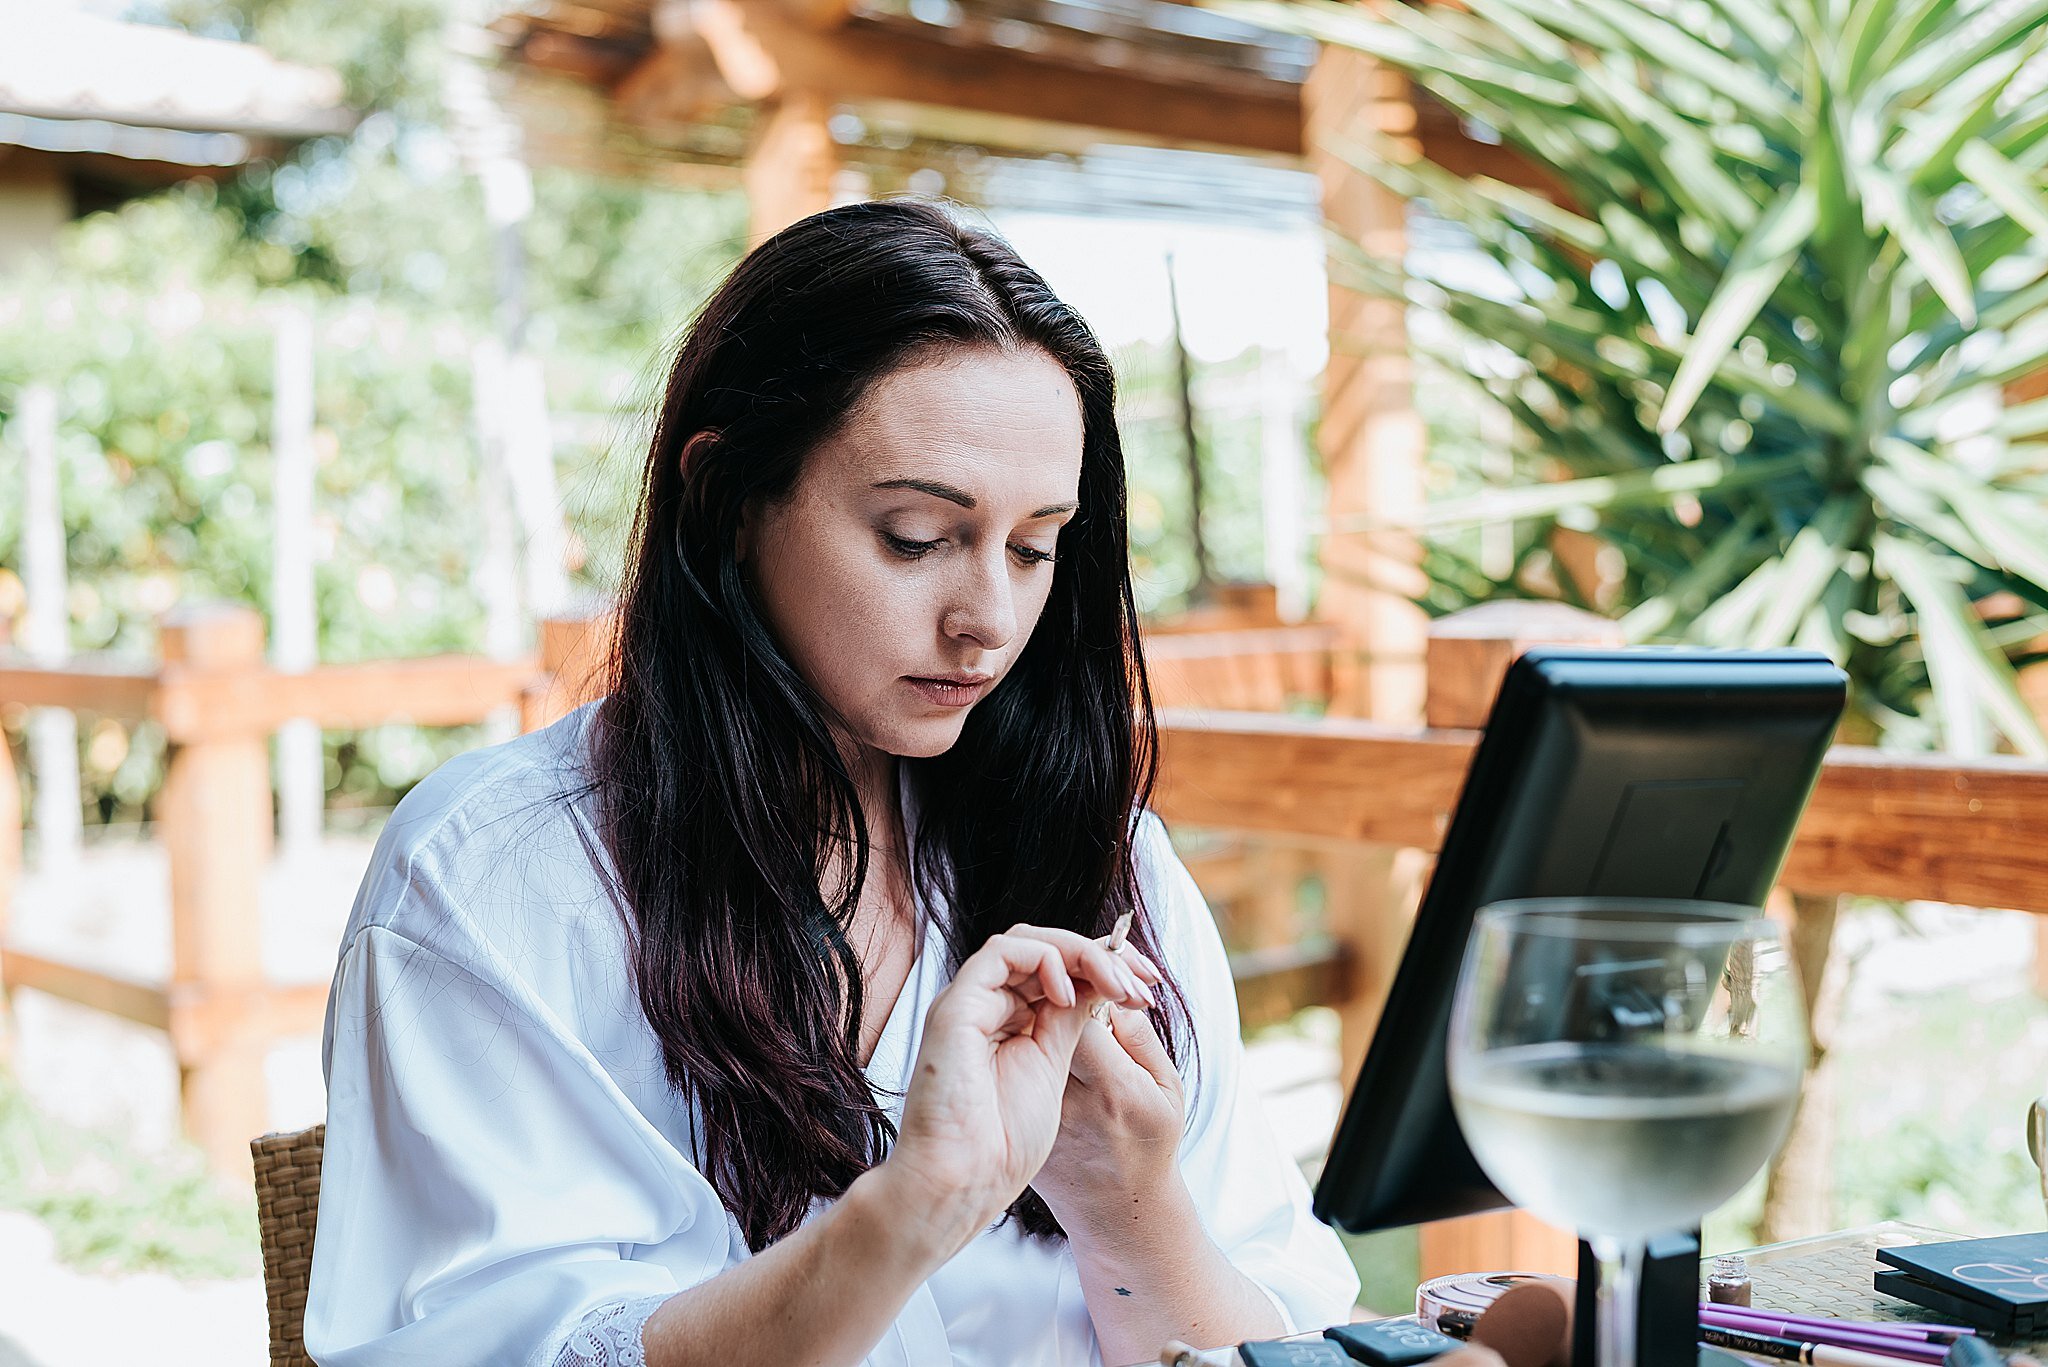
[(1941, 1141), (1229, 437), (112, 1209), (159, 346), (157, 328)]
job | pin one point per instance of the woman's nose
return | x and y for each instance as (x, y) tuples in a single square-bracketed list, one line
[(982, 608)]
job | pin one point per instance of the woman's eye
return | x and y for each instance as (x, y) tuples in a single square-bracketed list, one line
[(1031, 555), (910, 550)]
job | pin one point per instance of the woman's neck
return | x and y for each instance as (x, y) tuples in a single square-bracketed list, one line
[(874, 783)]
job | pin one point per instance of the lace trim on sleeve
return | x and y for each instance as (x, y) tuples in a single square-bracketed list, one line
[(609, 1336)]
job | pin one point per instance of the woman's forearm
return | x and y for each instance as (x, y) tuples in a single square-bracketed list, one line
[(1152, 1274), (822, 1297)]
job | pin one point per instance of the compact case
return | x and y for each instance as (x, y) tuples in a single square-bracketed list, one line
[(1997, 1285), (1453, 1304)]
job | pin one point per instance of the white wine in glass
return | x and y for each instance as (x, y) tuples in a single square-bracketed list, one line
[(1622, 1066)]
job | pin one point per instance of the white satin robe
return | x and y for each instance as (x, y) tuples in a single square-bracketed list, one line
[(509, 1177)]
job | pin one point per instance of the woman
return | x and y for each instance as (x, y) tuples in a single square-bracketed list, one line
[(766, 1011)]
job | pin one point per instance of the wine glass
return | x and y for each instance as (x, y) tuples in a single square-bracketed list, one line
[(1622, 1066)]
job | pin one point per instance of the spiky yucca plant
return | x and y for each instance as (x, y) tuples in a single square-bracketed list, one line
[(1761, 328)]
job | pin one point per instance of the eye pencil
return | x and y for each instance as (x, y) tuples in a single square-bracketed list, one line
[(1933, 1333), (1911, 1347), (1117, 933), (1796, 1349)]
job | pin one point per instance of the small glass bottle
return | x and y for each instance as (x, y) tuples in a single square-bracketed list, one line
[(1728, 1283)]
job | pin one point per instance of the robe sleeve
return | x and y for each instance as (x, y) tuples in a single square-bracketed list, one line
[(484, 1178), (1252, 1197)]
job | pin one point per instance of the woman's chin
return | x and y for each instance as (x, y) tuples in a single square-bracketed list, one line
[(923, 738)]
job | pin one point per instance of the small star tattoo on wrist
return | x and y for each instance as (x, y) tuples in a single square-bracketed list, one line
[(1123, 1291)]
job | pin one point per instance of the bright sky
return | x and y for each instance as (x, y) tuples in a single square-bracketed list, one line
[(1239, 287)]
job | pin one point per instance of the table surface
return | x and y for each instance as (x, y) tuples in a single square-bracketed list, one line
[(1830, 1275)]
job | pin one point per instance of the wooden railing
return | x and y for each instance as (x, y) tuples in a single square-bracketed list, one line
[(1363, 803), (1373, 801), (218, 703)]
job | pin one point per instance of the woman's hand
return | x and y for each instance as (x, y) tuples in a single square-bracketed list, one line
[(1120, 1128), (984, 1101)]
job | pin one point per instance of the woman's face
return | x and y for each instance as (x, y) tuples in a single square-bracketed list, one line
[(905, 571)]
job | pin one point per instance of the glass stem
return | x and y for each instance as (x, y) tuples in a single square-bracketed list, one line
[(1621, 1275)]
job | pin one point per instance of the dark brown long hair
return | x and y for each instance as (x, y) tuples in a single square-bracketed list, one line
[(721, 792)]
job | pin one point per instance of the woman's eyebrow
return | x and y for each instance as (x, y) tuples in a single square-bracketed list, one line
[(962, 497), (932, 487)]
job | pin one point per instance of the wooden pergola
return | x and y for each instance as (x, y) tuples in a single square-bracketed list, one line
[(777, 93), (807, 103)]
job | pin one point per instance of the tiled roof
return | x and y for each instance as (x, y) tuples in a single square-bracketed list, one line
[(58, 65)]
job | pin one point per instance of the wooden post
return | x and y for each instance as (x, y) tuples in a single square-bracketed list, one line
[(216, 829), (1371, 437), (1469, 655), (1371, 442), (575, 662), (790, 172)]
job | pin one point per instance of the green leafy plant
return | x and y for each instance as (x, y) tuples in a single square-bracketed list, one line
[(1755, 332)]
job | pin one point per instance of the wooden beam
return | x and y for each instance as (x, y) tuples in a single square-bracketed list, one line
[(1266, 670), (129, 998), (1440, 134), (199, 1021), (819, 14), (1971, 832), (599, 63), (676, 83), (204, 1023), (82, 685), (213, 703), (763, 54), (1331, 778), (440, 690)]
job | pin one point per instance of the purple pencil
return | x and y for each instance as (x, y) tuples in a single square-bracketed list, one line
[(1904, 1347), (1935, 1333)]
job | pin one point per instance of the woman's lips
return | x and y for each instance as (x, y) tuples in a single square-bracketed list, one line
[(947, 693)]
